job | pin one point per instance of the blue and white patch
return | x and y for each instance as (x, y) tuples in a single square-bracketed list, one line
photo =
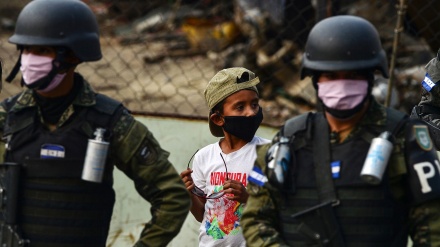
[(257, 177), (50, 151), (336, 168), (427, 83)]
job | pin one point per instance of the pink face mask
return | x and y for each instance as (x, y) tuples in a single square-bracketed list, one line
[(34, 67), (342, 94)]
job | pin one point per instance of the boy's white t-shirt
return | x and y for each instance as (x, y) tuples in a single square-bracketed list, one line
[(220, 225)]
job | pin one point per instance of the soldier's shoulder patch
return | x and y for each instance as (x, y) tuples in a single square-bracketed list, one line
[(257, 177), (422, 137)]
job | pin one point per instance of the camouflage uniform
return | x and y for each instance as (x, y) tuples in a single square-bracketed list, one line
[(261, 219), (433, 70), (428, 108), (134, 151)]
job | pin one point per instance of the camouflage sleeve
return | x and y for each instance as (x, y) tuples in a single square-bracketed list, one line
[(425, 224), (260, 219), (424, 218), (140, 157)]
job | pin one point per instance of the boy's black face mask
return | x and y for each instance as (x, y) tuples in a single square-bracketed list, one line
[(243, 127)]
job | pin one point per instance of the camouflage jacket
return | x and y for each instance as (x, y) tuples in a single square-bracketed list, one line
[(138, 154), (261, 220)]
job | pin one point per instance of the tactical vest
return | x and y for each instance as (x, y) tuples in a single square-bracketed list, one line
[(367, 214), (57, 208)]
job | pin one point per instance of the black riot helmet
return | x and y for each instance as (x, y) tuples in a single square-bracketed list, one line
[(343, 43), (64, 23)]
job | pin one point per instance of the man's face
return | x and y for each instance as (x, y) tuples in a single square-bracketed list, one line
[(40, 50)]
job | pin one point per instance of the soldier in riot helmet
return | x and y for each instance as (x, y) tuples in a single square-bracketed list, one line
[(428, 108), (357, 173), (46, 130)]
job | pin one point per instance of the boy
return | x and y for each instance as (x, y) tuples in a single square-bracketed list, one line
[(221, 169)]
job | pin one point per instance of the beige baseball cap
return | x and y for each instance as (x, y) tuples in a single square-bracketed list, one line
[(224, 83)]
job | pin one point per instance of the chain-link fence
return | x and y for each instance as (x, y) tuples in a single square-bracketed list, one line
[(159, 55)]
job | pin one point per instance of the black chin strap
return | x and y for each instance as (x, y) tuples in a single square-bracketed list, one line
[(15, 70)]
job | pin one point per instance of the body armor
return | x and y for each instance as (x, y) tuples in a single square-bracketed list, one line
[(367, 214), (57, 208)]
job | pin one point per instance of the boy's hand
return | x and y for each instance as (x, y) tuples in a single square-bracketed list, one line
[(235, 190), (187, 179)]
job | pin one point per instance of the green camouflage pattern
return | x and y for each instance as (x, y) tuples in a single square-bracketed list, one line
[(137, 153), (426, 219), (140, 157), (433, 70), (425, 225), (260, 217), (430, 98)]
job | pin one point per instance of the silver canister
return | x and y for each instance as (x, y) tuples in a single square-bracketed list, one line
[(279, 160), (377, 158), (282, 159), (96, 155)]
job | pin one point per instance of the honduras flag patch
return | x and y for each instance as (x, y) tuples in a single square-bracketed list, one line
[(50, 151), (427, 83), (257, 177), (336, 168)]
